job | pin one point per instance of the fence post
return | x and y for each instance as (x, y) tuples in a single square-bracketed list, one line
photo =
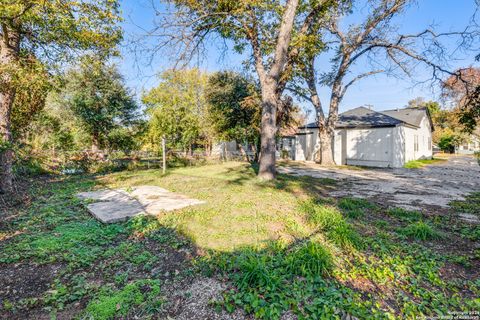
[(164, 156)]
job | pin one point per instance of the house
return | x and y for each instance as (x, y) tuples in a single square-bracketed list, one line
[(366, 137), (469, 146)]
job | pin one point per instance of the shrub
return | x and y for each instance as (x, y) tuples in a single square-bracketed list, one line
[(310, 260), (420, 230)]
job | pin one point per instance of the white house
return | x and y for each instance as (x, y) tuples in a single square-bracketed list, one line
[(470, 146), (369, 138)]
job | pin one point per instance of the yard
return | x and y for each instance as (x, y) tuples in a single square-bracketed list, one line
[(293, 248)]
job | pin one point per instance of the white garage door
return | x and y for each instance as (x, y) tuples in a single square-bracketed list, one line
[(370, 147)]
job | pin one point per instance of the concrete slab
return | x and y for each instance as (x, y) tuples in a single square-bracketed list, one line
[(113, 205)]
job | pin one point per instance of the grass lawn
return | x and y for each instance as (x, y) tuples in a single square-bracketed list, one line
[(275, 248), (417, 164)]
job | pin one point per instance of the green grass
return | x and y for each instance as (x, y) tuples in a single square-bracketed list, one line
[(312, 259), (278, 246), (113, 303), (417, 164), (420, 230), (355, 207), (404, 214), (471, 204)]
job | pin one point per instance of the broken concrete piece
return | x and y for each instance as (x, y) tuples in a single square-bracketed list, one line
[(115, 205)]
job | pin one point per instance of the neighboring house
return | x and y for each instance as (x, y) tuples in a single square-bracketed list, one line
[(369, 138), (470, 146)]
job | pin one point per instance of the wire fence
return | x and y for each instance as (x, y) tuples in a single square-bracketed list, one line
[(98, 161)]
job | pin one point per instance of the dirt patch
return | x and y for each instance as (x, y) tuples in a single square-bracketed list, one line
[(195, 299), (22, 282)]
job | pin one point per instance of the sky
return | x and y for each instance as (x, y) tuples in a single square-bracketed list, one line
[(382, 92)]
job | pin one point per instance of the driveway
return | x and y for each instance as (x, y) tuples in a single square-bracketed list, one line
[(431, 186)]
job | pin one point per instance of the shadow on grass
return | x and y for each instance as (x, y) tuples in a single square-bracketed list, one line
[(333, 271)]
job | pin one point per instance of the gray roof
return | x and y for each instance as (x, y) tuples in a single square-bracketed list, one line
[(412, 116), (362, 117)]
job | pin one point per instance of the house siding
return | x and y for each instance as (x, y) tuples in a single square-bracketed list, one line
[(418, 141), (369, 147)]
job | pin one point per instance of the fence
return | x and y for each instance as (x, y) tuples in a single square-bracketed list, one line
[(71, 162)]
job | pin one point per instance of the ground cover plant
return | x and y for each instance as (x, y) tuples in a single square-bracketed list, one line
[(276, 247)]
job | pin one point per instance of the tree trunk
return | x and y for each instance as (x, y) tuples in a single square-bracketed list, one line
[(6, 152), (269, 82), (9, 51), (243, 152), (267, 168), (325, 154), (95, 142)]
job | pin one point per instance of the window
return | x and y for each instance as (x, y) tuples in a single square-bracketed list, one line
[(415, 143), (429, 143)]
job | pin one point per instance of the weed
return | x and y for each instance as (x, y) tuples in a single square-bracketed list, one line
[(420, 230), (111, 303), (310, 260), (355, 207), (404, 214), (255, 272), (471, 204)]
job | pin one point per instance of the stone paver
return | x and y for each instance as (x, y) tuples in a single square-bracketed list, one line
[(434, 185), (113, 205)]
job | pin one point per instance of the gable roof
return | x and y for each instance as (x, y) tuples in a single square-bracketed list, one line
[(362, 117), (411, 116)]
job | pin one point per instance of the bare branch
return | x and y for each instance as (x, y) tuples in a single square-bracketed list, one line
[(360, 76)]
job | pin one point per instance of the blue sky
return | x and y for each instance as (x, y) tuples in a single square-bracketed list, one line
[(381, 91)]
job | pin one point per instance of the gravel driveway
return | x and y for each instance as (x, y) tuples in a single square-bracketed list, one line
[(433, 185)]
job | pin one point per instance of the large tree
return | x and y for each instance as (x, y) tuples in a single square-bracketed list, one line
[(96, 94), (49, 31), (464, 92), (272, 30), (234, 107), (178, 110), (375, 44)]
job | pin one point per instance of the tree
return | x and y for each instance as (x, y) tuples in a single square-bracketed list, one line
[(96, 94), (376, 41), (177, 109), (234, 107), (273, 30), (48, 31), (464, 91), (433, 106)]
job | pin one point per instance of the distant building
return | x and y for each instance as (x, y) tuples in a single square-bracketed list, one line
[(470, 146)]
